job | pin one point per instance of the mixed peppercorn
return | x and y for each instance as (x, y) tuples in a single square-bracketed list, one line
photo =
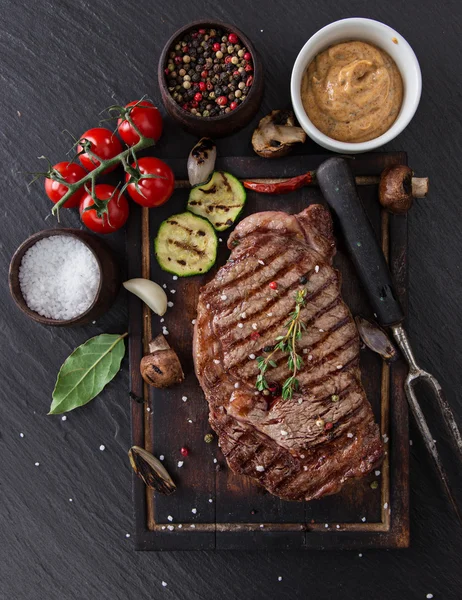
[(209, 72)]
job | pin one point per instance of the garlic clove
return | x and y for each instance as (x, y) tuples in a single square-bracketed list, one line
[(149, 292)]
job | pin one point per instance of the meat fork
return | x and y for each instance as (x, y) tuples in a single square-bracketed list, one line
[(338, 187)]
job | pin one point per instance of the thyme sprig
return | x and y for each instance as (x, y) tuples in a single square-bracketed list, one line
[(288, 344)]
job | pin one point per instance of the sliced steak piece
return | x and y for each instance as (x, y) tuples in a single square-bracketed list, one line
[(308, 446)]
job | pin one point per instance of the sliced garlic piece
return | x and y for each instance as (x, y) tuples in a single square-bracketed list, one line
[(149, 292)]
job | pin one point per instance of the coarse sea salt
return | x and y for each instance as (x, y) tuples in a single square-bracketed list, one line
[(59, 277)]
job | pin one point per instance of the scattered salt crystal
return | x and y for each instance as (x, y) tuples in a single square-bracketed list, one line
[(192, 526), (164, 583), (173, 291), (350, 435), (59, 277), (321, 330), (254, 326), (210, 500), (243, 315), (316, 269), (220, 239), (161, 457), (180, 526), (184, 398), (170, 518), (261, 262), (37, 464), (429, 596), (310, 357), (283, 432), (163, 527), (252, 356), (279, 578), (148, 409), (363, 519), (360, 555), (162, 320), (164, 331), (337, 526), (240, 325), (71, 500), (170, 527), (261, 526), (207, 306), (305, 468), (216, 361), (189, 420), (175, 277), (127, 535), (305, 350), (170, 303), (223, 297), (194, 511), (326, 525), (260, 468), (270, 314), (377, 473), (215, 461), (64, 418), (21, 435), (339, 367), (193, 321), (410, 442), (180, 464), (164, 285), (385, 506), (237, 385), (102, 447)]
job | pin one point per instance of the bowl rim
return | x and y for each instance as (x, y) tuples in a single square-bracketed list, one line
[(403, 118), (15, 263), (257, 72)]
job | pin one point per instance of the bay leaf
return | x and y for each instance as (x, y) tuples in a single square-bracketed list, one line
[(87, 371)]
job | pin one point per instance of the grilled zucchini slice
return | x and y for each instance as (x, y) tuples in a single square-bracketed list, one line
[(186, 245), (220, 200)]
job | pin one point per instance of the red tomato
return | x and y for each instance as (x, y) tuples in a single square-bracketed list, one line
[(154, 191), (110, 216), (71, 173), (146, 118), (103, 143)]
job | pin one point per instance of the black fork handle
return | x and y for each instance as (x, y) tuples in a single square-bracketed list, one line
[(338, 187)]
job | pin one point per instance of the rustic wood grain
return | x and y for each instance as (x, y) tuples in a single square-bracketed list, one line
[(227, 510), (62, 62)]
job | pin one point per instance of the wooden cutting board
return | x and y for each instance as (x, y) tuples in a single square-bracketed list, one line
[(213, 508)]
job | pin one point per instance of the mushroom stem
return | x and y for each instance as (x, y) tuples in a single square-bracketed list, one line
[(420, 186)]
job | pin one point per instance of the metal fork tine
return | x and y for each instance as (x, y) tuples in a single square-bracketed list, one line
[(426, 433)]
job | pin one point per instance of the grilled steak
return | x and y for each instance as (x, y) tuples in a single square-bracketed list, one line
[(308, 446)]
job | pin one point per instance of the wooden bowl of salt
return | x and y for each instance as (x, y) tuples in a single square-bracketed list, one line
[(67, 292)]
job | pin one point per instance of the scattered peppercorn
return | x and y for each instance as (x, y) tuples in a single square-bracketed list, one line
[(184, 451), (273, 285), (374, 485), (200, 61), (328, 426), (208, 438)]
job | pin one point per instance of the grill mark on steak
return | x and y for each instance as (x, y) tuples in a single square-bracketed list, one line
[(276, 326), (300, 460)]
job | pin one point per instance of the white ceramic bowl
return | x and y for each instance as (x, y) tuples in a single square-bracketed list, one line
[(380, 35)]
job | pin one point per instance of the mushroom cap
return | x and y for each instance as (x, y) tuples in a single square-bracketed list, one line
[(395, 189), (276, 134), (161, 368)]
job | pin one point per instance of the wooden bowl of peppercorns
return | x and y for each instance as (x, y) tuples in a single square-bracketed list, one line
[(211, 78)]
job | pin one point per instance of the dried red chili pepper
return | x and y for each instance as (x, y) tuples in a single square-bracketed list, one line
[(280, 187)]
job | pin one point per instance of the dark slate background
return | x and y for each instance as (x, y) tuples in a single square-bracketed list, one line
[(61, 63)]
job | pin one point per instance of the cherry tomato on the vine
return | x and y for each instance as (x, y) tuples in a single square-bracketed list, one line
[(154, 191), (71, 173), (103, 143), (146, 118), (116, 209)]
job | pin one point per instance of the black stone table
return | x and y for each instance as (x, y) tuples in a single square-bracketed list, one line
[(61, 63)]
